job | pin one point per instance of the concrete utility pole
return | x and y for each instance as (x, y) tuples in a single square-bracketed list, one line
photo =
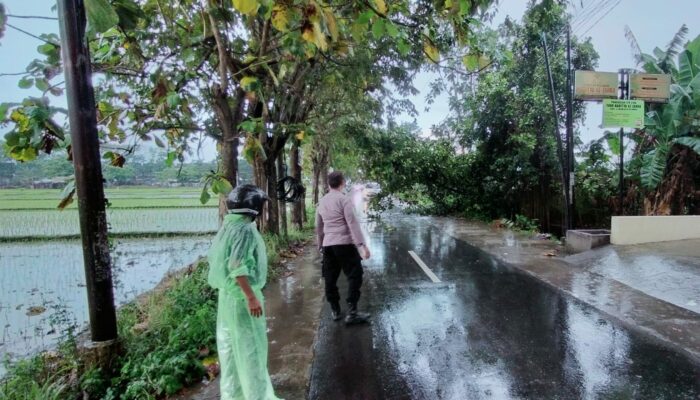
[(88, 170)]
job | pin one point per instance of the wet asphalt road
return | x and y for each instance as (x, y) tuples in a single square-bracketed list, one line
[(485, 332)]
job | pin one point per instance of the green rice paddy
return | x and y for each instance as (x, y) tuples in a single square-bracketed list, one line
[(32, 213), (121, 197)]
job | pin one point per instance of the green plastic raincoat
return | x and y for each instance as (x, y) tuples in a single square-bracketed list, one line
[(239, 250)]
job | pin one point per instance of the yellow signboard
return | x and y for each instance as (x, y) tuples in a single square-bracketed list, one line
[(623, 114), (654, 88), (591, 85)]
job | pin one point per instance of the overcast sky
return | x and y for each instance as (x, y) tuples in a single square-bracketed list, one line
[(653, 23)]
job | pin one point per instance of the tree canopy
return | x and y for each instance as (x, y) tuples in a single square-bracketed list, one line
[(246, 70)]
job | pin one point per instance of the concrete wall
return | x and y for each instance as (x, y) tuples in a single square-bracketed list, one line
[(633, 230)]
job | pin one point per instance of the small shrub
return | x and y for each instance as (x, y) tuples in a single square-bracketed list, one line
[(521, 223)]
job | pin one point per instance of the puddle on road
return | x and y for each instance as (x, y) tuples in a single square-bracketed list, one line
[(49, 275), (495, 333)]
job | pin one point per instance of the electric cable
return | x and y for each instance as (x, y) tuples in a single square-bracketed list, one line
[(603, 16)]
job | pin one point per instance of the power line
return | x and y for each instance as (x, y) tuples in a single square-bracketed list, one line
[(598, 16), (588, 13), (31, 34), (32, 17), (603, 16), (594, 15)]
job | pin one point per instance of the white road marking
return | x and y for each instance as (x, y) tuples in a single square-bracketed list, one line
[(424, 267)]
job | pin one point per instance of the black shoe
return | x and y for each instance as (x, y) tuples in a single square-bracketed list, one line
[(355, 317), (336, 314)]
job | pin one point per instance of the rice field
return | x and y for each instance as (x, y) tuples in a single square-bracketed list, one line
[(52, 224), (42, 284), (130, 197), (32, 213)]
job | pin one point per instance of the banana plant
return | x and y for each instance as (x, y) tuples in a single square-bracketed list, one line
[(676, 124)]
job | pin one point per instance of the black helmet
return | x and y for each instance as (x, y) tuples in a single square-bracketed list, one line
[(247, 200)]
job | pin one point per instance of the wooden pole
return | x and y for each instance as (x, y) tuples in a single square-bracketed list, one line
[(88, 171)]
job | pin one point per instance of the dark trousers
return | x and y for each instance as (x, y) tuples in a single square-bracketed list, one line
[(346, 258)]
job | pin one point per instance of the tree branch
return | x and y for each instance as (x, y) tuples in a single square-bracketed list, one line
[(407, 25), (221, 46)]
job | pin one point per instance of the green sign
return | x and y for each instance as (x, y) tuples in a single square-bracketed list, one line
[(623, 113)]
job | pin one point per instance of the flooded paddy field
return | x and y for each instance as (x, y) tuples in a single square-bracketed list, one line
[(42, 280), (42, 284)]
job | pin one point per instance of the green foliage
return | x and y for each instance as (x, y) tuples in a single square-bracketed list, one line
[(667, 151), (179, 332), (31, 380), (675, 123), (426, 174), (494, 156), (521, 223), (33, 128), (596, 184), (169, 71), (218, 185), (101, 15)]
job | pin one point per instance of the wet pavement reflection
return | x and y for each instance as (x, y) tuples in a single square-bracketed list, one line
[(486, 331)]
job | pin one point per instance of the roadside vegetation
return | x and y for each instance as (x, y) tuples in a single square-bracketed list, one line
[(494, 156)]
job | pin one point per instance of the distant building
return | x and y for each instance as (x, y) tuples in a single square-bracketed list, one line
[(58, 182)]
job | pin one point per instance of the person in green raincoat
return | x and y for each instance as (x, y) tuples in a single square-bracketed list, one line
[(238, 269)]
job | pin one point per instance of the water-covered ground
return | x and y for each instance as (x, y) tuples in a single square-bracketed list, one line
[(42, 284)]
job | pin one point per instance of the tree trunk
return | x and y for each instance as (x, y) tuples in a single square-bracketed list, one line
[(228, 118), (261, 182), (298, 207), (272, 224), (315, 182), (320, 160), (282, 204), (324, 179)]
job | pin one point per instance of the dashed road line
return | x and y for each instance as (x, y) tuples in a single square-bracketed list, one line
[(424, 267)]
